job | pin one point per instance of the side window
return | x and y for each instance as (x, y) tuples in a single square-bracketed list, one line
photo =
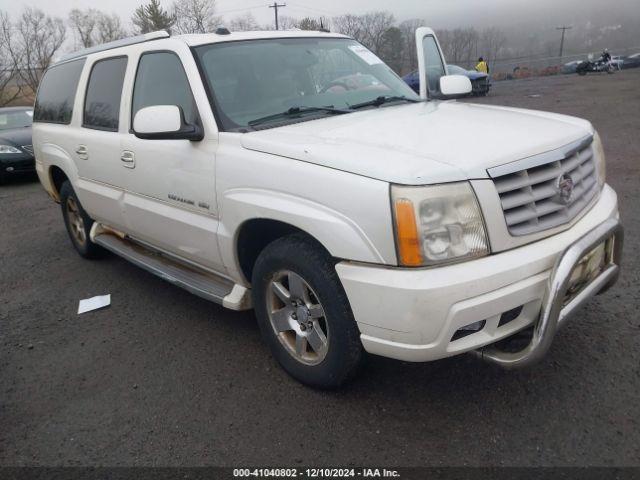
[(161, 80), (57, 93), (433, 64), (104, 92)]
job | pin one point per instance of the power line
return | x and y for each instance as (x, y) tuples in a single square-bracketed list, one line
[(275, 6), (563, 28)]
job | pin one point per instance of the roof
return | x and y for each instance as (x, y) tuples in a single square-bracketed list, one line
[(145, 37), (204, 38), (198, 39)]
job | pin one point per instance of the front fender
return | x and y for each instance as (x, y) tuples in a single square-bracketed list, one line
[(340, 235)]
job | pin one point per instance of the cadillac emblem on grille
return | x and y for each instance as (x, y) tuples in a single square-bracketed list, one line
[(565, 188)]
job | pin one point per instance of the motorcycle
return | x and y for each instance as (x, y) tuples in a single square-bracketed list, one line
[(599, 65)]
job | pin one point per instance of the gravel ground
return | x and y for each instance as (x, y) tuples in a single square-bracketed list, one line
[(165, 378)]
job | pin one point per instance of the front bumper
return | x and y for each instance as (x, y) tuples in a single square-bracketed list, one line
[(16, 164), (554, 311), (418, 314)]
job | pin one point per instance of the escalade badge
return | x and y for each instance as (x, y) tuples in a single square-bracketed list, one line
[(564, 186)]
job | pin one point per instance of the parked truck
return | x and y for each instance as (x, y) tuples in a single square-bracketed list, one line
[(296, 174)]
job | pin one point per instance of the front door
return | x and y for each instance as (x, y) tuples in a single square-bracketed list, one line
[(170, 198), (431, 64)]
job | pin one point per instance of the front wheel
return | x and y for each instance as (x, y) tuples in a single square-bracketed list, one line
[(304, 314)]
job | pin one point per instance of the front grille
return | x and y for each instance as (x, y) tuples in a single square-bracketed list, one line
[(28, 148), (531, 198)]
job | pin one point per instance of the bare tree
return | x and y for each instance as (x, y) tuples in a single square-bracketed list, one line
[(94, 27), (109, 28), (410, 56), (492, 42), (288, 23), (32, 43), (392, 48), (195, 16), (369, 29), (375, 25), (244, 23), (83, 24), (459, 45), (350, 25), (10, 90)]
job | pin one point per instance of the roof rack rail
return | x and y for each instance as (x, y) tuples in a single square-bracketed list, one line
[(145, 37)]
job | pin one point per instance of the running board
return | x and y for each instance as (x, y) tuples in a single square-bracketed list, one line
[(199, 282)]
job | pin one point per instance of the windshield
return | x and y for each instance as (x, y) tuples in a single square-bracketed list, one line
[(16, 119), (254, 79)]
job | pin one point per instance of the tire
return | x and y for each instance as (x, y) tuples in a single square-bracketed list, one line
[(582, 73), (325, 310), (78, 223)]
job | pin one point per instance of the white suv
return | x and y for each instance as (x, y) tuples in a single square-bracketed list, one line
[(295, 173)]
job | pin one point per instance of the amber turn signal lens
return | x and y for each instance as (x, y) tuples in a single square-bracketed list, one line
[(407, 232)]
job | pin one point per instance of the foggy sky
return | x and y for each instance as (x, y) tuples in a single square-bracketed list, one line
[(437, 13)]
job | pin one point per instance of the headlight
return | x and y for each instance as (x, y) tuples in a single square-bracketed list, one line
[(437, 224), (598, 153), (8, 149)]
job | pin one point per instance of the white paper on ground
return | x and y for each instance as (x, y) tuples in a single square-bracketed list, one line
[(94, 303)]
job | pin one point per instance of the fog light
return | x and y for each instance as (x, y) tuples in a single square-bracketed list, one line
[(9, 169)]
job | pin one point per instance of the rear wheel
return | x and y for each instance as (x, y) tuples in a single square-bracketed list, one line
[(304, 314), (78, 223)]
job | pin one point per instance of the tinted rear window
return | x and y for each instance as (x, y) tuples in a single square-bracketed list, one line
[(102, 102), (57, 93)]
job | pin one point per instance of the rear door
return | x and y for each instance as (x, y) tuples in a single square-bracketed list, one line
[(56, 116), (431, 63), (170, 199), (98, 145)]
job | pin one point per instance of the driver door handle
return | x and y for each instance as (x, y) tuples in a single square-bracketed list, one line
[(128, 158)]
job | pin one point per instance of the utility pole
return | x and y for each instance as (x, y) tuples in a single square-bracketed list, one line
[(563, 28), (275, 6)]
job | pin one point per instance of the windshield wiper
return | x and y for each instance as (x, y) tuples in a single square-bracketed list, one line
[(295, 111), (376, 102)]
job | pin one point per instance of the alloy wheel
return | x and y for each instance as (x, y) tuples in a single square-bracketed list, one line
[(297, 317), (76, 222)]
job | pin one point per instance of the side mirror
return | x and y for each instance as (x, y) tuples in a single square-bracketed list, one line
[(455, 85), (164, 122)]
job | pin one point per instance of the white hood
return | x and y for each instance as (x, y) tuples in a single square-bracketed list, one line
[(428, 142)]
